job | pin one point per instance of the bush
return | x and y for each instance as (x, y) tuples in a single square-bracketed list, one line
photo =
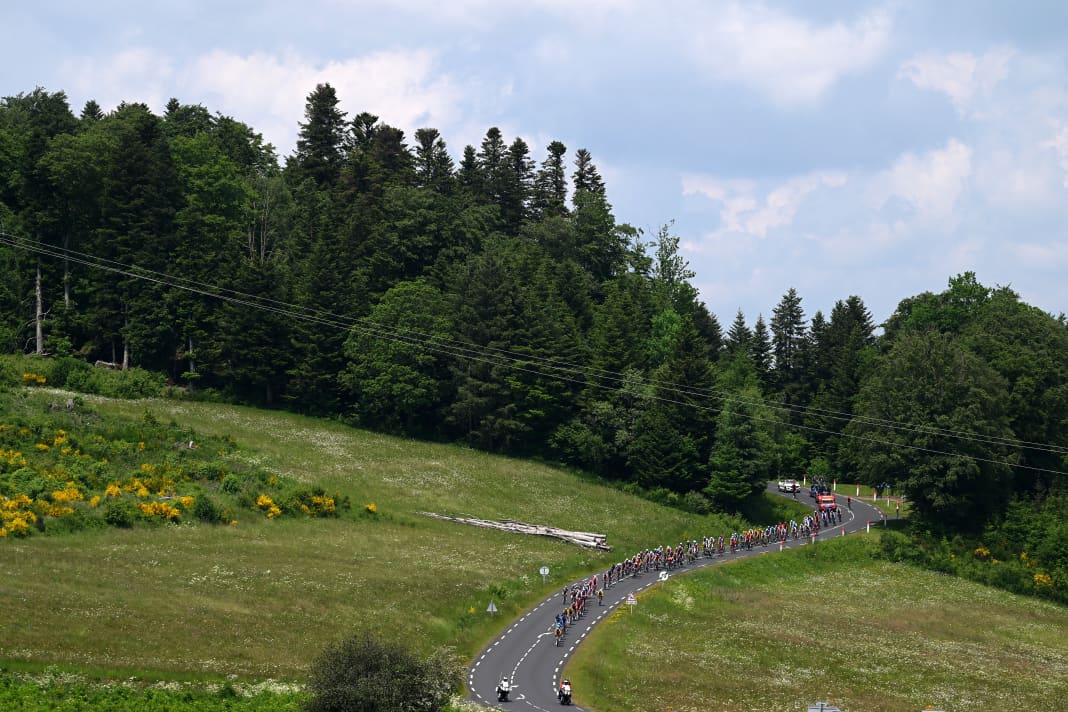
[(205, 510), (696, 502), (365, 672), (120, 513)]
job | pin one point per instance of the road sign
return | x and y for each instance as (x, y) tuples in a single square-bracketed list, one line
[(632, 599), (663, 575), (544, 571), (492, 608)]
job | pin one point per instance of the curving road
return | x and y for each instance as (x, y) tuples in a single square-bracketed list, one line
[(527, 653)]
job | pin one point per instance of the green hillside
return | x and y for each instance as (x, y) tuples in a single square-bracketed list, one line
[(830, 623), (184, 606), (262, 597)]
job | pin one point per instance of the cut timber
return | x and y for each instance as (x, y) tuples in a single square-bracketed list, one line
[(586, 539)]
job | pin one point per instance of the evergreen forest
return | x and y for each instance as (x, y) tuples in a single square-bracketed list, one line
[(496, 301)]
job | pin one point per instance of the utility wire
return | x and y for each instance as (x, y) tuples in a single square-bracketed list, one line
[(564, 370)]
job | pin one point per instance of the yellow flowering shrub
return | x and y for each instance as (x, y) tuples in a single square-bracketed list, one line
[(12, 457), (162, 510), (70, 493), (95, 501), (32, 379), (41, 446), (113, 490), (187, 502), (371, 508), (267, 505), (981, 552), (323, 504), (1043, 580)]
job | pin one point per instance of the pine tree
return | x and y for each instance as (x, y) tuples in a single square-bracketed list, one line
[(708, 327), (91, 112), (322, 134), (788, 337), (760, 351), (586, 179), (433, 165), (550, 184), (516, 183), (739, 336), (739, 464)]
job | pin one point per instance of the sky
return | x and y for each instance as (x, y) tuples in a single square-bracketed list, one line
[(839, 147)]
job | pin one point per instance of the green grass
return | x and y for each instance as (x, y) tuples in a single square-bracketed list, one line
[(58, 692), (881, 503), (828, 623), (261, 599)]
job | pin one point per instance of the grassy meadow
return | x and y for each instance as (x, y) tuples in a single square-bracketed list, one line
[(826, 623), (259, 600), (194, 616)]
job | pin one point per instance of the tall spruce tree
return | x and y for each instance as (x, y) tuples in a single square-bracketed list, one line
[(760, 352), (739, 336), (550, 184), (788, 339), (322, 135)]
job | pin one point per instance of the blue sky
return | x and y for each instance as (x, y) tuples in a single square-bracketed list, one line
[(869, 148)]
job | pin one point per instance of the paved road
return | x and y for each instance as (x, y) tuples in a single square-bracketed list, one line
[(527, 653)]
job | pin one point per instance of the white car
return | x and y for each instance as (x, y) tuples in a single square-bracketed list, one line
[(789, 486)]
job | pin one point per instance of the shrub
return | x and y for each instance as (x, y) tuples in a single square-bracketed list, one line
[(366, 672), (120, 513), (205, 510), (696, 502)]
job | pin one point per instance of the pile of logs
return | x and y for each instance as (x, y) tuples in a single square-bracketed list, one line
[(586, 539)]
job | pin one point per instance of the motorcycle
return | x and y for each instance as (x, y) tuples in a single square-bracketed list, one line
[(565, 693), (503, 688)]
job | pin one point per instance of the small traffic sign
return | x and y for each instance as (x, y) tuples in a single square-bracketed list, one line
[(544, 571), (663, 575), (492, 608), (631, 600)]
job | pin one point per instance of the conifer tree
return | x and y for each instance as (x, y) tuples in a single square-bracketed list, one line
[(322, 134), (550, 184)]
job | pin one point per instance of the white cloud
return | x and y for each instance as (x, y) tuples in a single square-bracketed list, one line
[(930, 183), (404, 88), (1059, 143), (791, 60), (268, 91), (744, 211), (963, 77), (136, 74)]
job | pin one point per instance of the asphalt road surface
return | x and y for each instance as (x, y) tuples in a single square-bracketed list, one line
[(526, 653)]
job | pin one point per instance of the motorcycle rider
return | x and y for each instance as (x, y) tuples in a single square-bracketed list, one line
[(564, 693), (503, 688)]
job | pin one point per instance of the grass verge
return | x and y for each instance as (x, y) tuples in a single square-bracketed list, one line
[(827, 622)]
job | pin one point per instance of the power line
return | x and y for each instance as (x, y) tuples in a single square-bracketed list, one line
[(562, 370)]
